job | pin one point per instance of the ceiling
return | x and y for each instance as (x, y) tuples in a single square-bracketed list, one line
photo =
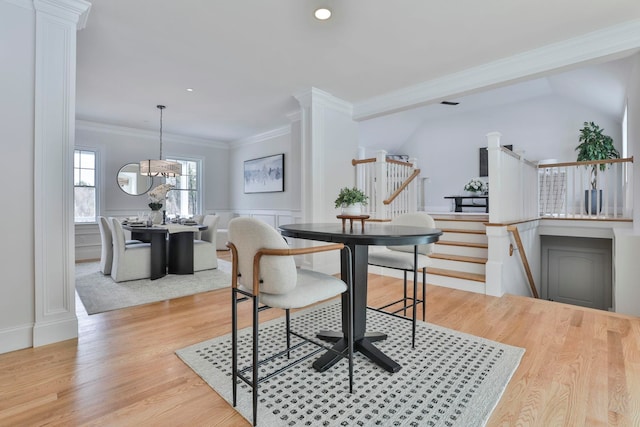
[(246, 59), (601, 87)]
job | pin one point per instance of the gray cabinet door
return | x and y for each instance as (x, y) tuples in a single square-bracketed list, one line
[(578, 271)]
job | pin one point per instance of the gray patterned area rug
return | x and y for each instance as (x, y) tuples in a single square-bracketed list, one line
[(100, 293), (449, 379)]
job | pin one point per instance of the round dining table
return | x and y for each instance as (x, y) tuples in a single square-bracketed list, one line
[(358, 239), (179, 257)]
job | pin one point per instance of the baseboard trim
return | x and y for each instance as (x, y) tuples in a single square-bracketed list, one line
[(17, 338), (51, 332)]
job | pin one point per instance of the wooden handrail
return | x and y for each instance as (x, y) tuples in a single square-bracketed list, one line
[(402, 187), (516, 234), (591, 162), (361, 161), (373, 160), (399, 162)]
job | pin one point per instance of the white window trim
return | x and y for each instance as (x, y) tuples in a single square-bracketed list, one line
[(199, 176), (99, 175)]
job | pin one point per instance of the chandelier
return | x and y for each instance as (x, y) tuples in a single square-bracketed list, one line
[(160, 167)]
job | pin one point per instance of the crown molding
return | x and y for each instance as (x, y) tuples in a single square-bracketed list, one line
[(76, 11), (261, 137), (325, 99), (618, 40), (143, 133)]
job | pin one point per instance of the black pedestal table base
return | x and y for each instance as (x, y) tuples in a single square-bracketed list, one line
[(363, 345), (358, 241)]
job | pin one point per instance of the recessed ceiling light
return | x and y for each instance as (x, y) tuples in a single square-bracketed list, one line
[(322, 14), (189, 89)]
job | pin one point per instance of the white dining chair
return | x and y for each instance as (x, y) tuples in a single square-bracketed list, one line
[(130, 262), (204, 248), (402, 258), (264, 272), (106, 249)]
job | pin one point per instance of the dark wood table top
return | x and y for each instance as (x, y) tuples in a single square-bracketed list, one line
[(371, 234), (159, 228), (483, 196)]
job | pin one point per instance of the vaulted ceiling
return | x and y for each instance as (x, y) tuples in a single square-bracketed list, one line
[(246, 59)]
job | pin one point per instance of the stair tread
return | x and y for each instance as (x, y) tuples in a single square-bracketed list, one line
[(467, 244), (462, 258), (463, 231), (457, 274), (468, 218)]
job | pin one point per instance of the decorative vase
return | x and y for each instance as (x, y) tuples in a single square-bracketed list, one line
[(352, 210), (156, 217), (595, 207)]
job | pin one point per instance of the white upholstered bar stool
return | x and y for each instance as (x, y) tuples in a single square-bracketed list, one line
[(264, 272), (404, 258)]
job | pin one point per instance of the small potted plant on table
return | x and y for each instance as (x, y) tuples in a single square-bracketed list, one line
[(351, 200)]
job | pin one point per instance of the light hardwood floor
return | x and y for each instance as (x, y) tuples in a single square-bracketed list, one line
[(581, 366)]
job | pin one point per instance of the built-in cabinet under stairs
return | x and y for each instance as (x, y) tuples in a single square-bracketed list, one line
[(460, 255)]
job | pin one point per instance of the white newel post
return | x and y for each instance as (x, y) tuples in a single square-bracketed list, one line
[(57, 22), (497, 237), (413, 188), (381, 184), (360, 171), (498, 241), (495, 183)]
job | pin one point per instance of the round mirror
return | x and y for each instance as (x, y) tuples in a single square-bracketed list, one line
[(131, 182)]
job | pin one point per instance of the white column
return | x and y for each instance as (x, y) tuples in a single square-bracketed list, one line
[(55, 74), (329, 143)]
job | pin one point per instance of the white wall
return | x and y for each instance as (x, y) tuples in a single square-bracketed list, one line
[(17, 46), (277, 142), (118, 146), (545, 127)]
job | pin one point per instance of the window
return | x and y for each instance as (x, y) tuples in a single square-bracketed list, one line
[(84, 185), (185, 198)]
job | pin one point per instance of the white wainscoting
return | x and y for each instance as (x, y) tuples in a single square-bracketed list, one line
[(274, 218), (87, 240)]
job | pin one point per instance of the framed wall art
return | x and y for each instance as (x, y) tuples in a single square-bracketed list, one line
[(264, 175), (484, 159)]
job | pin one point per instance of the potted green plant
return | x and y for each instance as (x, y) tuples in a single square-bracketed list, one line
[(351, 200), (595, 145)]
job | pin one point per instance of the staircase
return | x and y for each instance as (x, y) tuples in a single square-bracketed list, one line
[(460, 255)]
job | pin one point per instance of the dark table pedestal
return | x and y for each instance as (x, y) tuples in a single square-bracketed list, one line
[(181, 253), (180, 256), (158, 240)]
